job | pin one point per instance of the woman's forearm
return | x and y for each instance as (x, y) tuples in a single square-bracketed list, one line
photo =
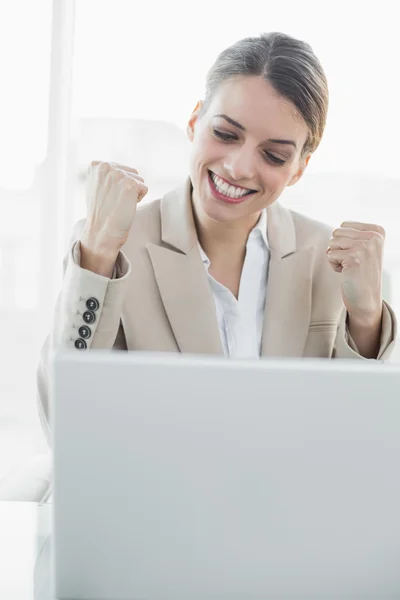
[(366, 334)]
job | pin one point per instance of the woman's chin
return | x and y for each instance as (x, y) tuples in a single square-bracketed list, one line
[(218, 211)]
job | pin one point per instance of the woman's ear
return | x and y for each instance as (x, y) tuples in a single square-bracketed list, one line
[(193, 120), (303, 164)]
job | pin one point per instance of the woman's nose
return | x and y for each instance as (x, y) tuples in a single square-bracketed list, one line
[(240, 164)]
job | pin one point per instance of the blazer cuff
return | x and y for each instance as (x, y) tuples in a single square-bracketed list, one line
[(347, 348), (79, 286)]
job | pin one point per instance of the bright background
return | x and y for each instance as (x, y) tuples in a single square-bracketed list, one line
[(117, 81)]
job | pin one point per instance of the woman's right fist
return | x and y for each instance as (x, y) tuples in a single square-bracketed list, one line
[(112, 193)]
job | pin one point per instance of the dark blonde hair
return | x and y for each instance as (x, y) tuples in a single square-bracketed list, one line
[(289, 65)]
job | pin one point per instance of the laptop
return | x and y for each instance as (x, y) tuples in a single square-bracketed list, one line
[(197, 478)]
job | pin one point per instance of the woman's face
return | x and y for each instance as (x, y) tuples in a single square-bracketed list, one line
[(250, 138)]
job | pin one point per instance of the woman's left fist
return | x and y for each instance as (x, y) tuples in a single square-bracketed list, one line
[(356, 252)]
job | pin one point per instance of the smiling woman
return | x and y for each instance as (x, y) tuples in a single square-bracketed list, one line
[(258, 142), (218, 266)]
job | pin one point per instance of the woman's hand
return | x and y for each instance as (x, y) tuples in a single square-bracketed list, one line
[(113, 191), (356, 251)]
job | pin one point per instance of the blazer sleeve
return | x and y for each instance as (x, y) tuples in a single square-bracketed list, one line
[(82, 292), (345, 346)]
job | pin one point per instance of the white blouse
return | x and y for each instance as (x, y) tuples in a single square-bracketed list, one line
[(240, 320)]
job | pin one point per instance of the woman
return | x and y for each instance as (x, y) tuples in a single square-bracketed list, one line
[(218, 266)]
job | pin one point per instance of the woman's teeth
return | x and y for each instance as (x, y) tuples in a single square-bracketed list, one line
[(226, 189)]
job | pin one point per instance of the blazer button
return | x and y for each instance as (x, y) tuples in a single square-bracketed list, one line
[(84, 332), (89, 317), (80, 344), (92, 304)]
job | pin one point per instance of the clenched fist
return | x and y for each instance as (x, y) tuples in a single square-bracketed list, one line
[(112, 193), (356, 252)]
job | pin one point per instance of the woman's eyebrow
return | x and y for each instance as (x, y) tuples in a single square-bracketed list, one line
[(232, 122), (239, 126)]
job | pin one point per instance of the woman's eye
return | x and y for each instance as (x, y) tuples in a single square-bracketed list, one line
[(275, 159), (229, 137), (224, 136)]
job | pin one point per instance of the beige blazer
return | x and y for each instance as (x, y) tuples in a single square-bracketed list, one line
[(161, 299)]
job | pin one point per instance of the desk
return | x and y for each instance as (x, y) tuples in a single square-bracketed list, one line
[(24, 531)]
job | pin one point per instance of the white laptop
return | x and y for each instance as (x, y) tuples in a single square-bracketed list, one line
[(194, 478)]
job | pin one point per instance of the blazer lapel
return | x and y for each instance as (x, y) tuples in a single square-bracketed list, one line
[(186, 295), (182, 279), (288, 300)]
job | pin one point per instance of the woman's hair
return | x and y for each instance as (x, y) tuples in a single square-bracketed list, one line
[(289, 65)]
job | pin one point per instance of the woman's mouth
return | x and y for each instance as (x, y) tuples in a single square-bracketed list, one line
[(225, 192)]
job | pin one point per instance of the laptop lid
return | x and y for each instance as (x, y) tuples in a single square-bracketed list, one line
[(180, 477)]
